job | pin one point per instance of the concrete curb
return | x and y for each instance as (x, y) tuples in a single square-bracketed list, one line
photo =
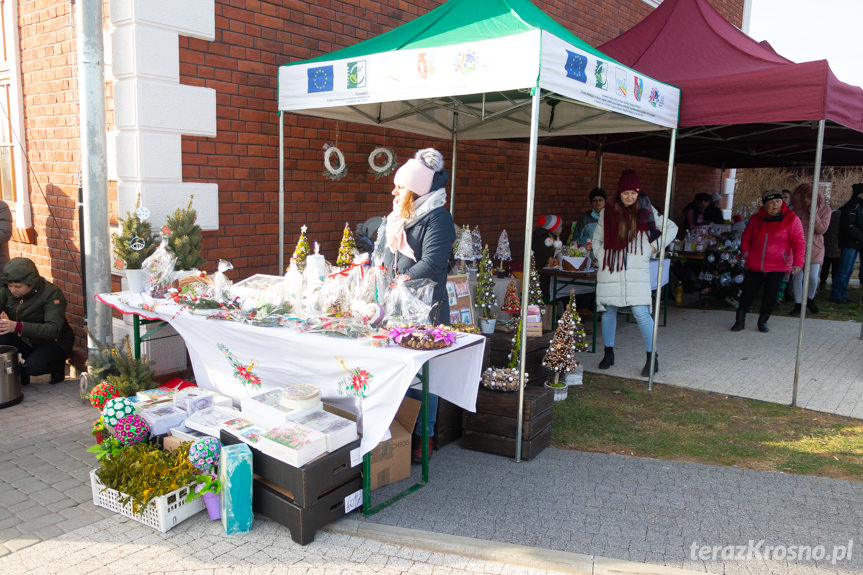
[(537, 558)]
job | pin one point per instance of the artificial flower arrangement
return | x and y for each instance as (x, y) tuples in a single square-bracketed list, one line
[(206, 483), (204, 455), (423, 337)]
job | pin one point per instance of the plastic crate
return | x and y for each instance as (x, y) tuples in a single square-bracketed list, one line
[(161, 513)]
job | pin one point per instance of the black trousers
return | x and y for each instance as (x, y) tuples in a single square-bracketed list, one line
[(752, 282), (45, 358)]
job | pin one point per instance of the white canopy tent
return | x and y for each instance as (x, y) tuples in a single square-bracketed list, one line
[(480, 69)]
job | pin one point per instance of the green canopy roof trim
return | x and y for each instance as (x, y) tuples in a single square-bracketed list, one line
[(457, 22)]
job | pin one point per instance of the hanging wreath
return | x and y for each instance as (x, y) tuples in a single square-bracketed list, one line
[(385, 169), (334, 172)]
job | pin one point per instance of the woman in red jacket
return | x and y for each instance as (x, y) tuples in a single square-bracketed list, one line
[(773, 244)]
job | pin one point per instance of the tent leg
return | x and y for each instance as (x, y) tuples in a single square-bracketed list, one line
[(660, 273), (525, 274), (281, 269), (813, 208), (454, 164)]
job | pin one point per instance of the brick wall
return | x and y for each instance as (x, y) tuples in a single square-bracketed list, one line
[(254, 37)]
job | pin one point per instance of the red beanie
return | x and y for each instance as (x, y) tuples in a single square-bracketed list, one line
[(629, 181)]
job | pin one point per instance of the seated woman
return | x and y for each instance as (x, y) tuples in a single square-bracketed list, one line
[(33, 320)]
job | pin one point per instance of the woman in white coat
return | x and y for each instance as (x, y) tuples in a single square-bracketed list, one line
[(626, 236)]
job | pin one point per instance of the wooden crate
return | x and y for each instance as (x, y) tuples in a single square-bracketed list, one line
[(501, 346), (448, 425), (500, 445), (507, 426), (505, 403)]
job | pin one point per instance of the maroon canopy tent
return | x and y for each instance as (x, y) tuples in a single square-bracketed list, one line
[(742, 104)]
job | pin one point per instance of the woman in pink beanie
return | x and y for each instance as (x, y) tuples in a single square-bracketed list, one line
[(419, 237), (626, 236)]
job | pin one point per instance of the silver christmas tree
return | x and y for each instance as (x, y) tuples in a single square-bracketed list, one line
[(503, 252)]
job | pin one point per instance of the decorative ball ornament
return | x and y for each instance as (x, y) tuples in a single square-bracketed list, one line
[(116, 409), (333, 172), (549, 242), (132, 429), (557, 244), (143, 213), (101, 394), (385, 169), (204, 453), (137, 243)]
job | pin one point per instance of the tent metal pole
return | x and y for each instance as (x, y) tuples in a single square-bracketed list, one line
[(813, 209), (659, 275), (281, 193), (454, 157), (525, 274), (599, 165)]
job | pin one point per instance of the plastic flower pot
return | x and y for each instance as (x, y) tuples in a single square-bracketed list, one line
[(214, 508)]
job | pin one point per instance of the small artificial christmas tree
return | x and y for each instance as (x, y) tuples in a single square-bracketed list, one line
[(569, 338), (534, 295), (511, 301), (347, 248), (302, 250), (134, 243), (184, 238), (486, 300), (477, 243), (503, 252), (464, 247)]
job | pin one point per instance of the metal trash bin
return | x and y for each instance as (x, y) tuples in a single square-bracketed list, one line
[(10, 377)]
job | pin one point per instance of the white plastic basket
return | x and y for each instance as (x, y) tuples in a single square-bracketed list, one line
[(161, 513)]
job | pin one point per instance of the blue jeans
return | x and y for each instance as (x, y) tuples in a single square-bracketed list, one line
[(844, 268), (642, 318), (418, 395)]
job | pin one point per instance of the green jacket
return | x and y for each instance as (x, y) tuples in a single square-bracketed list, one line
[(42, 311)]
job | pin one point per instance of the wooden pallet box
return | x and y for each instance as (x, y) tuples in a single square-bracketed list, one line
[(501, 346), (505, 403), (500, 445), (507, 426), (447, 427)]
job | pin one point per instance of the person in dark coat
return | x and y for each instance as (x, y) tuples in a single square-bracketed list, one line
[(850, 243), (33, 320), (420, 234)]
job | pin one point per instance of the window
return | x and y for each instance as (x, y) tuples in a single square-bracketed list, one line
[(11, 123)]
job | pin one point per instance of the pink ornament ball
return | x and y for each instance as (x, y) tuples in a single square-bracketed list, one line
[(101, 394), (132, 429)]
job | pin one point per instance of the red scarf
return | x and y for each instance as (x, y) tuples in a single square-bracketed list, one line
[(617, 247), (773, 224)]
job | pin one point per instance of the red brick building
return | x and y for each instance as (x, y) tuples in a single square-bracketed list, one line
[(220, 142)]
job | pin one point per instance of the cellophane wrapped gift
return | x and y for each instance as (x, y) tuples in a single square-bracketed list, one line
[(159, 268), (409, 302), (294, 284), (334, 297), (221, 283)]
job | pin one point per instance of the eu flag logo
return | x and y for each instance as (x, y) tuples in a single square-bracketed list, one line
[(575, 65), (320, 79)]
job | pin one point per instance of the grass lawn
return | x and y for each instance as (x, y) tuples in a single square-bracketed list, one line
[(615, 415)]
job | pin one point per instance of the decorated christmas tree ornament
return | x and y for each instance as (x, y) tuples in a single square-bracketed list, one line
[(116, 409), (486, 300), (464, 246), (477, 243), (347, 249), (135, 242), (503, 252), (511, 300), (302, 249), (569, 337), (143, 213), (204, 453), (132, 429), (101, 394), (534, 294)]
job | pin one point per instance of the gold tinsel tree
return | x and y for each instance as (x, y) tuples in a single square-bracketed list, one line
[(347, 248), (302, 250), (569, 338)]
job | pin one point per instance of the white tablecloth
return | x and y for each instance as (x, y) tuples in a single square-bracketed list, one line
[(223, 351)]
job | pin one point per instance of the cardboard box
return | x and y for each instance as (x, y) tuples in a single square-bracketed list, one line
[(309, 483), (391, 459)]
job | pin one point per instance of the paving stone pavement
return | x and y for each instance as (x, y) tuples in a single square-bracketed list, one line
[(563, 512)]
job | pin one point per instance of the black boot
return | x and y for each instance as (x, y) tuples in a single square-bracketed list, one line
[(796, 309), (811, 307), (739, 321), (645, 371), (607, 359)]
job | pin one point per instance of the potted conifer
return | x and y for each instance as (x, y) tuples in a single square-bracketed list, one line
[(132, 245), (486, 300)]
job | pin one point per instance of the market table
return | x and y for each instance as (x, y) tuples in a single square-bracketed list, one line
[(238, 359)]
